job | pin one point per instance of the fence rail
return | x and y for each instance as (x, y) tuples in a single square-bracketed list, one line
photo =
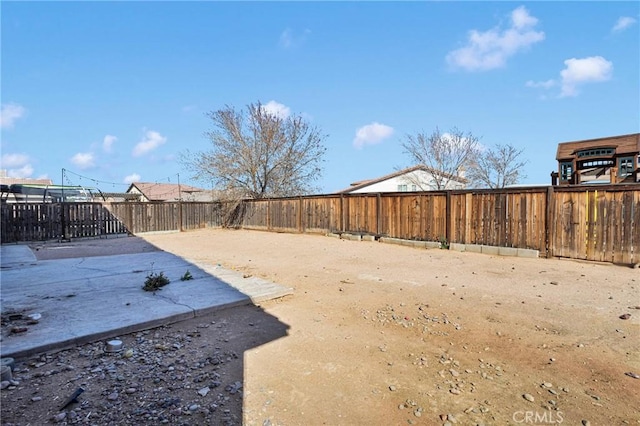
[(584, 222)]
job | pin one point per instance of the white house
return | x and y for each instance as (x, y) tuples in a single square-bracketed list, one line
[(417, 178)]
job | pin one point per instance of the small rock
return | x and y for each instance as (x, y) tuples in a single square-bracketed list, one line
[(554, 283), (34, 318), (131, 390), (586, 423), (625, 316), (4, 384), (632, 374), (528, 397), (234, 388), (17, 330), (60, 417), (36, 399), (392, 388), (194, 407), (547, 385), (112, 396), (204, 391), (454, 391)]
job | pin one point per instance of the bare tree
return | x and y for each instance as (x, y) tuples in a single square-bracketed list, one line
[(498, 167), (446, 154), (258, 154)]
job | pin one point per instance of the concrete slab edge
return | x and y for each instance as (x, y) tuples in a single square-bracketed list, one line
[(147, 325)]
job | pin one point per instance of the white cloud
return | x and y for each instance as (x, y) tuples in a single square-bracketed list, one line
[(581, 71), (371, 134), (107, 143), (277, 109), (576, 73), (490, 49), (623, 23), (542, 84), (10, 113), (289, 40), (286, 38), (17, 165), (134, 177), (22, 172), (83, 160), (149, 142), (13, 160)]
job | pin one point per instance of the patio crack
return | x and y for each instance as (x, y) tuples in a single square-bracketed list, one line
[(169, 299)]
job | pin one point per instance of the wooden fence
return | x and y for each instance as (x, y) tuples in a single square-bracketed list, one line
[(584, 222), (50, 221)]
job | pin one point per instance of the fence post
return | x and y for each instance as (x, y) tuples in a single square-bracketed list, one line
[(468, 202), (62, 221), (448, 219), (549, 229), (268, 214), (341, 213), (378, 214), (299, 218)]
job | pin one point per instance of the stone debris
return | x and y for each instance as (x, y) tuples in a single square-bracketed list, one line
[(158, 367)]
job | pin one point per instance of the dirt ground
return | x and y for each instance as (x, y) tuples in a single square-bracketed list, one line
[(374, 334)]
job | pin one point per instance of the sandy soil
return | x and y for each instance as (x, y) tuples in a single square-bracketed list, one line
[(381, 334), (385, 334)]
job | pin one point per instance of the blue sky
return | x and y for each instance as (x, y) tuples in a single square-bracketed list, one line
[(115, 91)]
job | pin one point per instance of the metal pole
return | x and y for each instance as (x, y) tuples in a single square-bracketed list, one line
[(62, 221)]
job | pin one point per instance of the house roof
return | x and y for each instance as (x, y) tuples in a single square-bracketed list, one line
[(24, 181), (364, 183), (623, 144), (162, 191)]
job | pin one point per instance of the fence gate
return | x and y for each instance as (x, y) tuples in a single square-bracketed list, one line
[(50, 221)]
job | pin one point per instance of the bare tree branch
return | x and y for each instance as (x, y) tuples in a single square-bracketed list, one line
[(498, 167), (259, 154), (447, 153)]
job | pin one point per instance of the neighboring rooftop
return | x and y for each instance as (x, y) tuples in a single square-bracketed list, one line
[(459, 181), (6, 180), (623, 144), (164, 191)]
